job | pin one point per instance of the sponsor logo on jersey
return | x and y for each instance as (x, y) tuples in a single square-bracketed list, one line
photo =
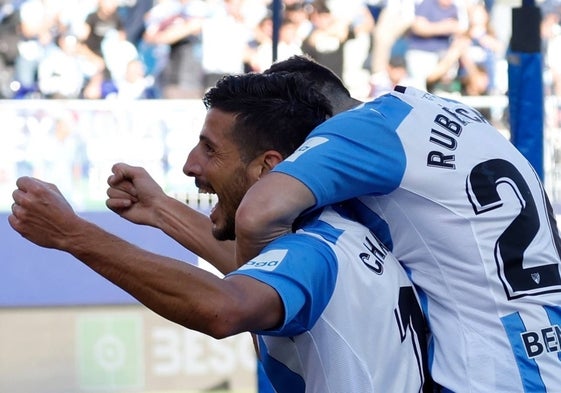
[(539, 342), (307, 145), (269, 260)]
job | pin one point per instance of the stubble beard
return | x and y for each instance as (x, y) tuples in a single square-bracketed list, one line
[(229, 204)]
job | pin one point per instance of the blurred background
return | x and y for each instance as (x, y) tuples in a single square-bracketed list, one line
[(88, 83)]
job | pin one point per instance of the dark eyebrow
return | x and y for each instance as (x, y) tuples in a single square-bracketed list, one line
[(210, 143), (204, 138)]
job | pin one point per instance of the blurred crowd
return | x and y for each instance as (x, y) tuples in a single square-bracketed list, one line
[(143, 49)]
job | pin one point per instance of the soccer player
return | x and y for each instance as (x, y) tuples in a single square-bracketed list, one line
[(303, 295), (462, 210)]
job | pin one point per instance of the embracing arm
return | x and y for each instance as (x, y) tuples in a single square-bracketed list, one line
[(176, 290), (267, 211), (135, 196)]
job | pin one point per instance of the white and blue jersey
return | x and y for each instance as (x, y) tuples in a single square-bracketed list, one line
[(330, 341), (468, 217)]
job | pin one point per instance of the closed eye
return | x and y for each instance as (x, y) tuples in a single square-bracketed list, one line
[(209, 149), (207, 145)]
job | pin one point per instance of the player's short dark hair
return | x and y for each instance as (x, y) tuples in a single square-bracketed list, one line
[(323, 78), (273, 112)]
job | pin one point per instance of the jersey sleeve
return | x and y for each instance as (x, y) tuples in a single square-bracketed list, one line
[(303, 271), (355, 153)]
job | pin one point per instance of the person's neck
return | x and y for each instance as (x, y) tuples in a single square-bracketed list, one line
[(345, 105)]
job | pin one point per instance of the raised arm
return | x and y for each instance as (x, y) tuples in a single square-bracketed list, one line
[(135, 196), (176, 290), (267, 211)]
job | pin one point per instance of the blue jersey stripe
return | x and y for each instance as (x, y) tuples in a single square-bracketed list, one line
[(529, 370), (356, 210), (282, 378), (554, 315)]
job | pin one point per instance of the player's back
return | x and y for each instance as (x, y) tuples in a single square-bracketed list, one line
[(468, 217), (471, 222), (346, 347)]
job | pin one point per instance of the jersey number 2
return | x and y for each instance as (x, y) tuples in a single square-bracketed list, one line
[(482, 192)]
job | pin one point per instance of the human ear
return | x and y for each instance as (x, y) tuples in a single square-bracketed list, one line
[(270, 159), (265, 162)]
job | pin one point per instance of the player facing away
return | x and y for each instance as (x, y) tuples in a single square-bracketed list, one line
[(329, 341), (462, 210)]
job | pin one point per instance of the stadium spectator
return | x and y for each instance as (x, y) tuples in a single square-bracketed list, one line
[(132, 14), (262, 35), (473, 54), (156, 55), (327, 38), (298, 11), (260, 55), (225, 37), (38, 26), (435, 24), (393, 19), (394, 74), (69, 16), (118, 53), (63, 71), (103, 21), (134, 84), (485, 46), (100, 25), (178, 24), (9, 21)]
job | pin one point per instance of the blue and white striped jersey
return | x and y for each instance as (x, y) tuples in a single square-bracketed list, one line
[(352, 318), (468, 217)]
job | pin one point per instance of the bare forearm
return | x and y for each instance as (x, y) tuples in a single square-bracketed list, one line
[(173, 289), (135, 196)]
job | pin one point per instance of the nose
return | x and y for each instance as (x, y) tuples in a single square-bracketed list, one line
[(192, 167)]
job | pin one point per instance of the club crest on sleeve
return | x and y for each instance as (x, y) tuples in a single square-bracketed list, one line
[(269, 260)]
